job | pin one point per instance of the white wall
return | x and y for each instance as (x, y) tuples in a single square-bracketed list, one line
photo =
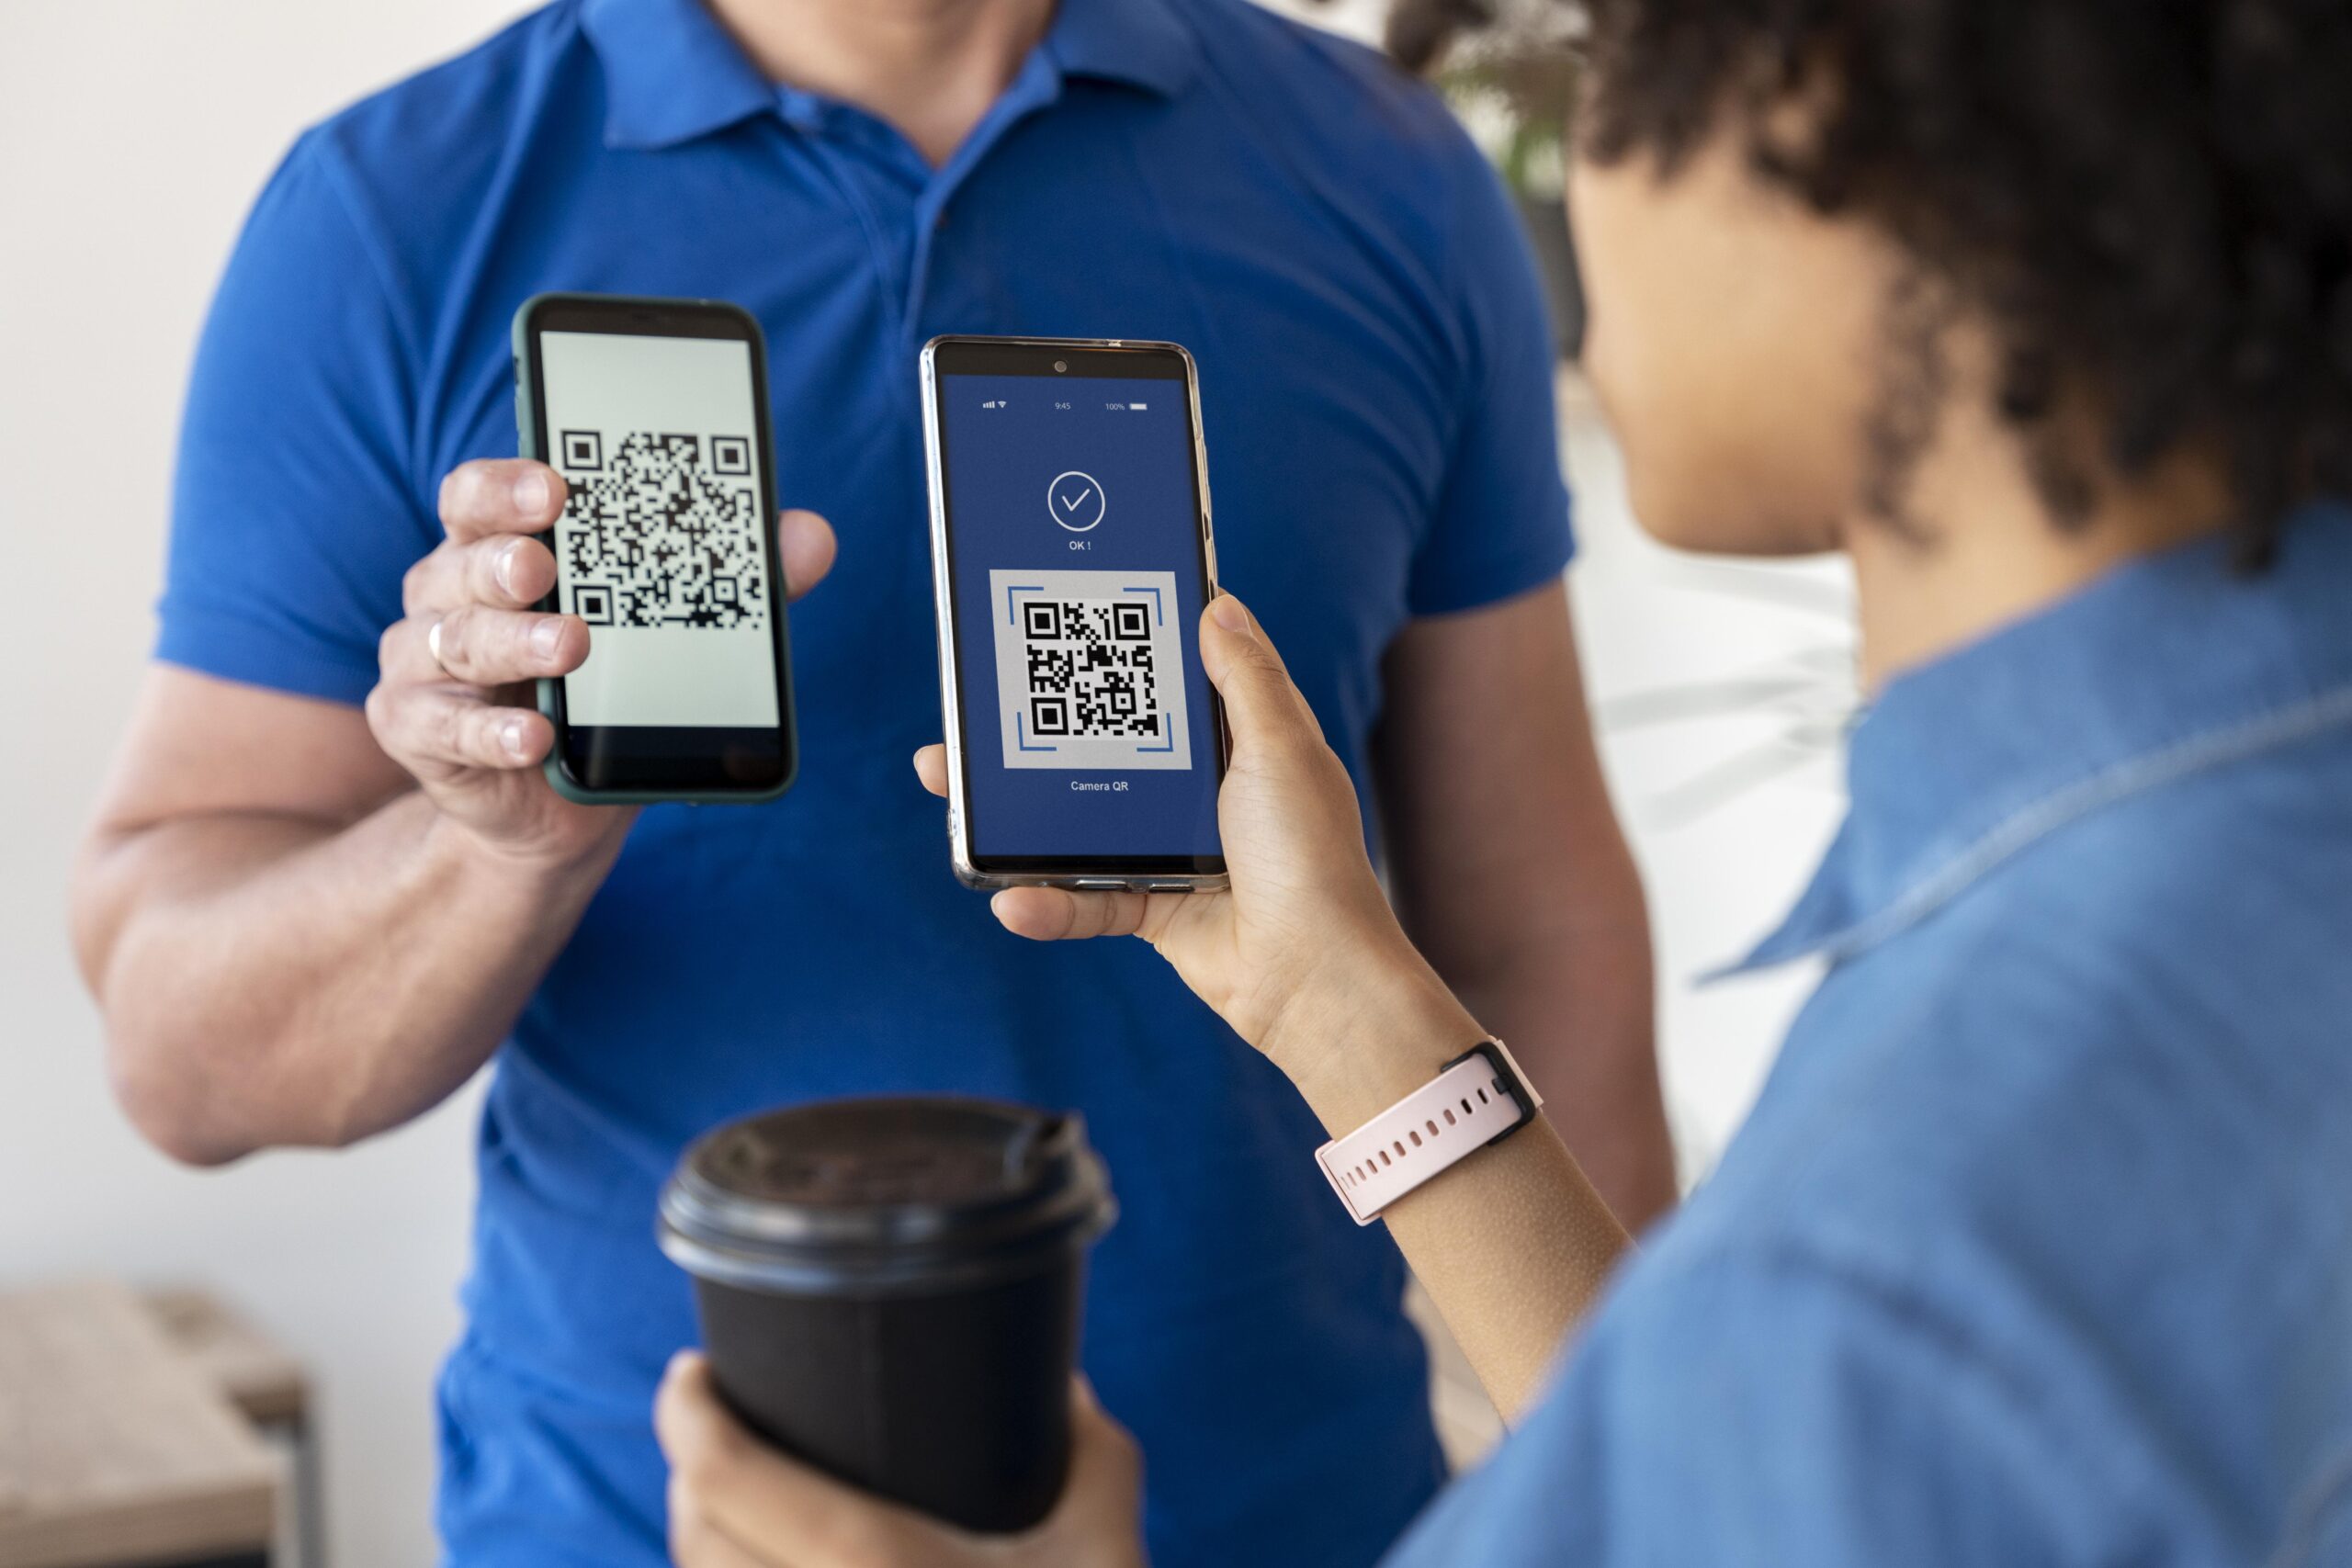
[(132, 135), (1719, 691)]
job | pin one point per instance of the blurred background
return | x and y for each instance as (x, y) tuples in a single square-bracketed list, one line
[(134, 135)]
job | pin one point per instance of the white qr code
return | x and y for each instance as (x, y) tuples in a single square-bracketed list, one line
[(1090, 670), (661, 530)]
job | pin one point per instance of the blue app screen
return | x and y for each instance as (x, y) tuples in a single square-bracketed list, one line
[(1074, 538)]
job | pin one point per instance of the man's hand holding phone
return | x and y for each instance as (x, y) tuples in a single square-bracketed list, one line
[(453, 701)]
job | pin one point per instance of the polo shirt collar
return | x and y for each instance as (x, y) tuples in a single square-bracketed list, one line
[(2167, 666), (1142, 43), (673, 74)]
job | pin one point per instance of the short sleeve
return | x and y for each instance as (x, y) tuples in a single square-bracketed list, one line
[(294, 514), (1501, 526), (1758, 1414)]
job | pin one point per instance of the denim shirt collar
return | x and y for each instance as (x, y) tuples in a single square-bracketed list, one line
[(673, 74), (2165, 667)]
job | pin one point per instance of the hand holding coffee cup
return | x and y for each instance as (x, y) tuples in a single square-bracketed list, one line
[(1304, 936), (735, 1502), (889, 1290)]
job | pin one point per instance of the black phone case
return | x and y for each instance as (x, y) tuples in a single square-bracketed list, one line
[(530, 442)]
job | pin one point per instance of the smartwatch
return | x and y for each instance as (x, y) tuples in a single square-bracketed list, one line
[(1478, 1100)]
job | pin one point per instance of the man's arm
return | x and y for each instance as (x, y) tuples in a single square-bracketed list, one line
[(305, 924), (289, 944), (1510, 872)]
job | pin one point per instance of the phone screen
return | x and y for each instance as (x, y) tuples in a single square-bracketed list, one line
[(665, 548), (1074, 521)]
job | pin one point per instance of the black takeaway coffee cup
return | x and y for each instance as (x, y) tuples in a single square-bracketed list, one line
[(889, 1290)]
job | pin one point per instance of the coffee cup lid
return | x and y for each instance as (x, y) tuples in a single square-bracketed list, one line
[(885, 1197)]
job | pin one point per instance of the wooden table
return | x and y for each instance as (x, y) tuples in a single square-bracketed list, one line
[(264, 1380), (116, 1447), (269, 1388)]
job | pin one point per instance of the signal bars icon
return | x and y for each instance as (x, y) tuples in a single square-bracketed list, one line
[(993, 403)]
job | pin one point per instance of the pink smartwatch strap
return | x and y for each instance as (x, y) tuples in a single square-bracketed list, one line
[(1477, 1099)]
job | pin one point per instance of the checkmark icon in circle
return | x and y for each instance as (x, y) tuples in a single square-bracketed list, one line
[(1075, 501)]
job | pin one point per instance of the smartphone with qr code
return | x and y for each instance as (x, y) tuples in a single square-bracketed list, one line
[(1072, 558), (656, 414)]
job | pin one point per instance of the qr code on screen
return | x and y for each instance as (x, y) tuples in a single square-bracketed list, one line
[(1090, 670), (661, 531)]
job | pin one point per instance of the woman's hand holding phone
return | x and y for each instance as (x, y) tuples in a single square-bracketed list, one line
[(1303, 957), (453, 699), (1302, 952)]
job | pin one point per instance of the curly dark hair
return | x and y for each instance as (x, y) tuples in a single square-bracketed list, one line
[(2148, 200)]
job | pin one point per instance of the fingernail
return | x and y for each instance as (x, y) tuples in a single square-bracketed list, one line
[(1230, 613), (531, 493), (505, 569), (546, 638), (510, 737)]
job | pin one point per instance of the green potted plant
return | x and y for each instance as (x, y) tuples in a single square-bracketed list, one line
[(1509, 68)]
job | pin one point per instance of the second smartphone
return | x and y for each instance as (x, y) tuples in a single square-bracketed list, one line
[(1072, 554)]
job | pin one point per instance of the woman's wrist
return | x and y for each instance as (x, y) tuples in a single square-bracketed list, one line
[(1358, 1037)]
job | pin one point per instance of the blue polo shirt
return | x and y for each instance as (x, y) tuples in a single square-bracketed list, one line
[(1376, 392), (2036, 1249)]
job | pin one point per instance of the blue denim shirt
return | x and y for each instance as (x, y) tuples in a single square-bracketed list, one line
[(2038, 1246)]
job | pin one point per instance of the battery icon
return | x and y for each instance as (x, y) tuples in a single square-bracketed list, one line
[(1136, 408)]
